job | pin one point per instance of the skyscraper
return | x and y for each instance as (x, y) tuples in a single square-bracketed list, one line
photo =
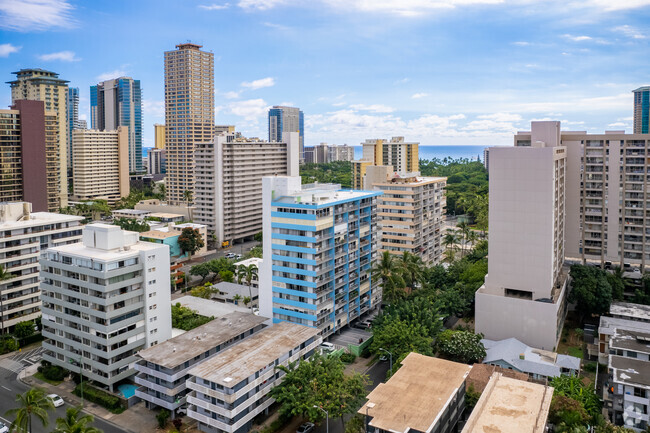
[(189, 113), (642, 110), (287, 119), (73, 118), (46, 86), (118, 102), (401, 155), (159, 141)]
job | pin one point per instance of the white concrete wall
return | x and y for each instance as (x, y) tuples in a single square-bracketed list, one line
[(293, 152), (157, 292)]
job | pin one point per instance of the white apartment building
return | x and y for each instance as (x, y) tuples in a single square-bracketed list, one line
[(230, 389), (163, 368), (403, 156), (228, 181), (103, 301), (411, 212), (320, 243), (524, 291), (100, 167), (23, 236)]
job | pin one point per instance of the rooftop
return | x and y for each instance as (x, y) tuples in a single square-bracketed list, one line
[(480, 375), (252, 261), (184, 347), (232, 289), (410, 181), (608, 325), (158, 234), (436, 381), (630, 340), (510, 406), (166, 215), (132, 211), (629, 310), (324, 194), (254, 353), (39, 219), (208, 308), (630, 371)]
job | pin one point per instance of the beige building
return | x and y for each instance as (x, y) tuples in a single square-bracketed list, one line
[(229, 171), (46, 86), (401, 155), (524, 291), (189, 113), (100, 167), (159, 134), (411, 212)]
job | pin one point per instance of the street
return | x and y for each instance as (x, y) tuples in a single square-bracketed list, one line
[(10, 386)]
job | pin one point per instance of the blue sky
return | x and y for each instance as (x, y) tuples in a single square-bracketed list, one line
[(442, 72)]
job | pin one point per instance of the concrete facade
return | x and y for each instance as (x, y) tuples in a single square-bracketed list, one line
[(103, 301), (287, 119), (397, 153), (157, 161), (228, 189), (24, 235), (100, 168), (322, 242), (159, 136)]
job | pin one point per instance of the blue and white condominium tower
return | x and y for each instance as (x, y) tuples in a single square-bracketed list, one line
[(322, 242)]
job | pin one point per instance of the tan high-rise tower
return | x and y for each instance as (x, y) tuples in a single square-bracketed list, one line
[(189, 113), (46, 86)]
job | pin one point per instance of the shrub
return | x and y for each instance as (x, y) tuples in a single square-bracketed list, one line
[(590, 367), (162, 418), (8, 344), (177, 423), (99, 397), (52, 372), (348, 358)]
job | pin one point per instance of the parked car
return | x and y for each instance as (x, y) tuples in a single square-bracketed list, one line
[(307, 427), (3, 428), (56, 400), (231, 255), (327, 347)]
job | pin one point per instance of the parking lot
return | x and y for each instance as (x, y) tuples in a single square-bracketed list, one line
[(349, 336)]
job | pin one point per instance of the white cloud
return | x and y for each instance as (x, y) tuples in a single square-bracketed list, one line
[(630, 32), (251, 109), (277, 26), (501, 117), (64, 56), (260, 4), (112, 74), (35, 15), (259, 84), (231, 95), (405, 8), (521, 43), (402, 81), (419, 95), (286, 104), (617, 5), (215, 7), (6, 49), (153, 108), (577, 38), (615, 124), (375, 108)]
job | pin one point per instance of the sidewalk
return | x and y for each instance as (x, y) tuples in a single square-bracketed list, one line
[(137, 419)]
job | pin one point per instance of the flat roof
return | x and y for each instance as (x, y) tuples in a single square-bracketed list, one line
[(158, 234), (166, 215), (81, 250), (132, 211), (481, 374), (630, 340), (628, 309), (209, 308), (609, 324), (252, 261), (416, 395), (254, 353), (630, 371), (231, 289), (417, 181), (510, 406), (184, 347), (39, 219), (323, 194)]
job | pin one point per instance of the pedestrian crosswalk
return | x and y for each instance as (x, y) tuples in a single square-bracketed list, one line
[(22, 359)]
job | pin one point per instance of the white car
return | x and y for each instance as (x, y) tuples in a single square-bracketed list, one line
[(231, 255), (3, 428), (56, 400), (326, 347)]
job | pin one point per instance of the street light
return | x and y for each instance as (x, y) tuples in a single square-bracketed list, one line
[(327, 418), (391, 358), (369, 405)]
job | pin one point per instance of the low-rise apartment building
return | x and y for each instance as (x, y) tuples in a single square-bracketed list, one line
[(230, 389), (228, 176), (425, 395), (624, 316), (104, 300), (163, 368), (24, 235), (320, 243)]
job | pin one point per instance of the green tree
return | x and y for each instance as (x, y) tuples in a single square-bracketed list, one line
[(450, 239), (320, 382), (331, 172), (24, 329), (567, 412), (400, 338), (187, 319), (573, 387), (187, 196), (205, 291), (33, 403), (248, 274), (247, 300), (411, 268), (259, 237), (201, 270), (254, 252), (131, 224), (393, 285), (591, 291), (356, 424), (237, 298), (162, 191), (190, 240), (4, 275), (227, 276), (75, 422), (461, 346)]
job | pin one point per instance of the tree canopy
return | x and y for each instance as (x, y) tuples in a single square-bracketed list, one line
[(190, 240), (590, 289), (461, 346), (331, 172)]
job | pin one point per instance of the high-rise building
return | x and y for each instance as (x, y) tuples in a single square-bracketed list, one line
[(287, 119), (401, 155), (159, 130), (46, 86), (100, 168), (157, 161), (228, 175), (411, 212), (324, 152), (73, 118), (103, 301), (524, 295), (319, 246), (115, 103), (642, 110), (29, 156), (24, 235), (189, 113), (341, 152)]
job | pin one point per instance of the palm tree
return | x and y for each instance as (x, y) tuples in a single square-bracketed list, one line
[(391, 279), (450, 255), (236, 298), (450, 240), (248, 273), (411, 266), (187, 195), (247, 300), (162, 191), (463, 231), (472, 237), (33, 402), (73, 423)]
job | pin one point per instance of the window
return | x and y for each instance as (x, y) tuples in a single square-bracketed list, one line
[(151, 282), (152, 307), (640, 392), (152, 269)]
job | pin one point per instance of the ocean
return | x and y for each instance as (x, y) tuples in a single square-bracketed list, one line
[(430, 152)]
